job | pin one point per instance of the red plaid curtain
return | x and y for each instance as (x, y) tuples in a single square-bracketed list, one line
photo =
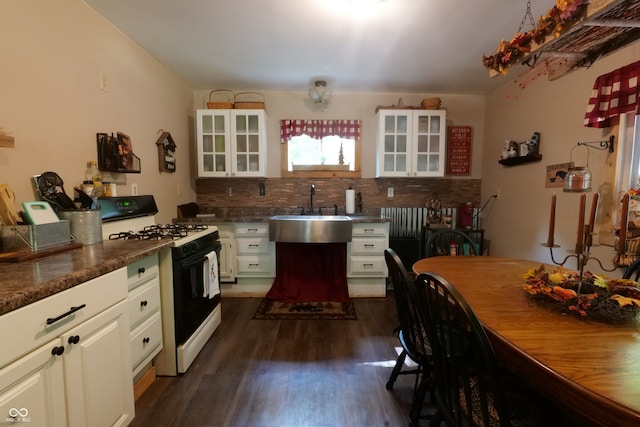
[(613, 94), (317, 129)]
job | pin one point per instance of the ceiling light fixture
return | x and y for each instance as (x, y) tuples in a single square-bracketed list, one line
[(578, 178), (320, 94)]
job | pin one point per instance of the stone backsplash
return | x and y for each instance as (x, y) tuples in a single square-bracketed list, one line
[(288, 195)]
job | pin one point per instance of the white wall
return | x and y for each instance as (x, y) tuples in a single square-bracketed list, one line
[(518, 221), (462, 110), (53, 54)]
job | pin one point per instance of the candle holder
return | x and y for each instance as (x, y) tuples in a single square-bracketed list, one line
[(582, 254)]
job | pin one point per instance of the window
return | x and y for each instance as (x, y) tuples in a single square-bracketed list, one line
[(320, 148)]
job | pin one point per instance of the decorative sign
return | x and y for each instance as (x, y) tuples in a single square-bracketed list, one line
[(459, 150), (556, 173), (166, 153)]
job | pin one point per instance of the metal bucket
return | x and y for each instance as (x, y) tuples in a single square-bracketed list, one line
[(86, 225)]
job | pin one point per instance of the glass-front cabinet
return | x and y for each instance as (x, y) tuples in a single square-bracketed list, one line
[(231, 143), (411, 143)]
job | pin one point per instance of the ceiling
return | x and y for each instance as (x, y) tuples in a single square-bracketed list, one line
[(416, 46)]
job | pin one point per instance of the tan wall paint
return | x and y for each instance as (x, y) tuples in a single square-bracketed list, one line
[(518, 221), (53, 53)]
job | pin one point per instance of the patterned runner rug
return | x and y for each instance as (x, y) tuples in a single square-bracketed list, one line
[(269, 309)]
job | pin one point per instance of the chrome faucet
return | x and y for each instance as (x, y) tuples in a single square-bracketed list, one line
[(312, 193)]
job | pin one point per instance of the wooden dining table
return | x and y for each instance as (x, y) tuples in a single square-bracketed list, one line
[(591, 367)]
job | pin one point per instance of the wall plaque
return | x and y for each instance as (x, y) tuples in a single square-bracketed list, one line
[(459, 150)]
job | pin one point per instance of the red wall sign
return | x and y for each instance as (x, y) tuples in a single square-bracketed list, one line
[(459, 150)]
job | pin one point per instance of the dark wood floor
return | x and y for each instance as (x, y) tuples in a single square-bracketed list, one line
[(281, 373)]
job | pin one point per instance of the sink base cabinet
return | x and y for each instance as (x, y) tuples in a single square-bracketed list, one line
[(75, 371), (255, 260)]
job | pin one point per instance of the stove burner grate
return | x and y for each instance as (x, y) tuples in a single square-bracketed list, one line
[(167, 231)]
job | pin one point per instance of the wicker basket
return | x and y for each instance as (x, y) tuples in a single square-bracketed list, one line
[(430, 104), (228, 95), (249, 101)]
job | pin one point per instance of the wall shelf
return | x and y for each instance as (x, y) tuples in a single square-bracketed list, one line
[(513, 161)]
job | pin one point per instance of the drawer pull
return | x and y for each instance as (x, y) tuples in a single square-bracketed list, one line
[(369, 245), (253, 265), (367, 265), (253, 245), (369, 230), (141, 270), (74, 339), (143, 303), (252, 230), (72, 310), (146, 340), (57, 351)]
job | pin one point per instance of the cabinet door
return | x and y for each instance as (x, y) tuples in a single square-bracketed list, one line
[(248, 143), (394, 139), (97, 366), (428, 143), (227, 260), (32, 389), (213, 143)]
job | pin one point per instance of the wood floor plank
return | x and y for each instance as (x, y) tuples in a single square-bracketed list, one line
[(281, 373)]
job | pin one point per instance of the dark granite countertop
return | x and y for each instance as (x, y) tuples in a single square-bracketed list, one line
[(26, 282)]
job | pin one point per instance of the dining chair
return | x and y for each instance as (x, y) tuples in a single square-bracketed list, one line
[(470, 387), (444, 242), (411, 334), (633, 271)]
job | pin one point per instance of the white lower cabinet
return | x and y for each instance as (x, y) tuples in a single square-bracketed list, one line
[(366, 250), (68, 359), (143, 305), (227, 259), (255, 254)]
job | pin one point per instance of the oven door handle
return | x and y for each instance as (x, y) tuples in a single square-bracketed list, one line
[(193, 261)]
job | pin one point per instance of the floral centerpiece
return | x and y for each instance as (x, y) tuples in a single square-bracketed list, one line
[(596, 298), (564, 13)]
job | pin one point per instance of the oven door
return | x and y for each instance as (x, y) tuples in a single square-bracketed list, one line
[(191, 308)]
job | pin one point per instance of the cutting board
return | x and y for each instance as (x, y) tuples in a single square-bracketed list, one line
[(27, 255), (8, 213), (39, 213)]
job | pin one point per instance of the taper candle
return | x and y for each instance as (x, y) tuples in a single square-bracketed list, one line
[(624, 218), (552, 221), (580, 239)]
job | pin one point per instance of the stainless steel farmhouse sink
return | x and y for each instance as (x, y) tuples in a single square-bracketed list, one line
[(310, 228)]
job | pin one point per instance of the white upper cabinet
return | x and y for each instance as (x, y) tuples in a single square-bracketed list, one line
[(231, 143), (411, 143)]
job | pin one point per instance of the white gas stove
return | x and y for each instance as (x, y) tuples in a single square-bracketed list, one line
[(190, 310)]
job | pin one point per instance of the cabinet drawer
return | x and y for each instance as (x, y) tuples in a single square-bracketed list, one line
[(370, 229), (371, 266), (143, 301), (252, 229), (254, 246), (93, 296), (368, 246), (146, 339), (142, 270), (253, 265)]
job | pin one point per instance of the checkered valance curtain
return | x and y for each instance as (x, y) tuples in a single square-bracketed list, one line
[(613, 94), (317, 129)]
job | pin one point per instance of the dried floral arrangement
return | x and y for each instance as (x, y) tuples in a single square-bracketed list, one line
[(598, 298), (563, 14)]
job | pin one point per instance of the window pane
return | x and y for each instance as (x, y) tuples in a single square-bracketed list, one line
[(241, 163), (435, 124), (389, 162), (220, 144), (433, 162), (241, 143), (219, 122), (389, 124), (253, 124), (401, 163), (207, 143), (220, 163), (241, 124), (207, 162), (254, 144), (402, 144), (434, 147), (423, 124), (389, 144), (206, 124), (423, 144), (402, 124), (421, 164), (254, 163)]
